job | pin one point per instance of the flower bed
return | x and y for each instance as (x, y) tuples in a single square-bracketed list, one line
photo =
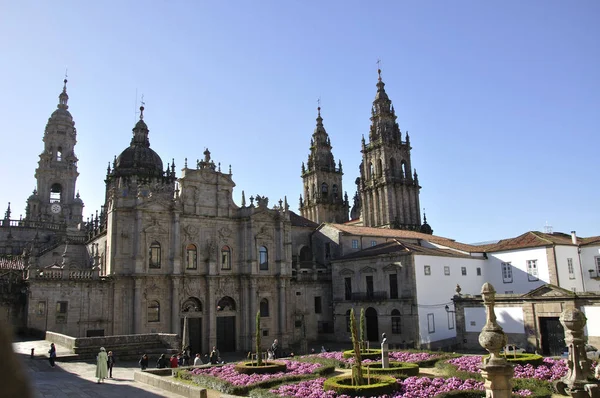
[(423, 359), (550, 370), (226, 379)]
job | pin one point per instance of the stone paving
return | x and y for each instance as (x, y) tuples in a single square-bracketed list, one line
[(77, 379)]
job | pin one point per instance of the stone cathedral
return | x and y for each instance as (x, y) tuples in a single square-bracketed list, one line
[(170, 243)]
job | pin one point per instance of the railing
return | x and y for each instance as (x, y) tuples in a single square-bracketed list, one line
[(59, 273), (369, 296), (33, 224)]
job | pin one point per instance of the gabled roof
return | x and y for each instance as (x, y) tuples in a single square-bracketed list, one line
[(299, 221), (592, 240), (399, 247), (402, 234), (531, 239)]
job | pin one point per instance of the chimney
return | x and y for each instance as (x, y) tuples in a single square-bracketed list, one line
[(573, 237)]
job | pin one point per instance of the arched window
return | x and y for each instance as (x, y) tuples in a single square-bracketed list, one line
[(191, 257), (55, 193), (264, 308), (396, 325), (334, 189), (348, 321), (192, 305), (154, 255), (226, 304), (59, 154), (263, 259), (379, 167), (314, 195), (154, 311), (324, 190), (225, 257), (405, 171), (305, 254), (371, 171)]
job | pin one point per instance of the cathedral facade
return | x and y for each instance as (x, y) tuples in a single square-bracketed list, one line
[(167, 249)]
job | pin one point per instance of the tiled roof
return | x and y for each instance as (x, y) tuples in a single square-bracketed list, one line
[(397, 246), (538, 239), (10, 262), (402, 234), (299, 221)]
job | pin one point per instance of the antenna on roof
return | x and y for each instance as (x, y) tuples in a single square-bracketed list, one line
[(548, 228)]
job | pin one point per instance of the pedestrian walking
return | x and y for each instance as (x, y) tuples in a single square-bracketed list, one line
[(101, 365), (144, 362), (111, 363), (52, 354), (162, 362), (275, 349)]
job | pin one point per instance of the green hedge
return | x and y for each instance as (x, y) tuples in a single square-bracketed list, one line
[(524, 359), (398, 369), (268, 367), (380, 385), (371, 353)]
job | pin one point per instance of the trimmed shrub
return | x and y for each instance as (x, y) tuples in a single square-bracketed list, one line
[(380, 385), (265, 368), (397, 369), (524, 359), (372, 354)]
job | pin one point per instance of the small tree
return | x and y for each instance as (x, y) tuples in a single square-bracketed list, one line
[(357, 376), (362, 328), (258, 354)]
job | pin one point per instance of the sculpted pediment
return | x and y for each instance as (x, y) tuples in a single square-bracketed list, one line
[(549, 291), (367, 270), (393, 267), (155, 228), (346, 271)]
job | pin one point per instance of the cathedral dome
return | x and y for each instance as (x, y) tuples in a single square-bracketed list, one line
[(426, 228), (139, 159)]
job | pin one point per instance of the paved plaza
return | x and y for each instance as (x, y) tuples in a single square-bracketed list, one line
[(77, 379)]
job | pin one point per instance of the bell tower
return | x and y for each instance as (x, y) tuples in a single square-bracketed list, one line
[(55, 198), (388, 186), (323, 200)]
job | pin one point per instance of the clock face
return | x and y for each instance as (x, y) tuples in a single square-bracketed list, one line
[(55, 208)]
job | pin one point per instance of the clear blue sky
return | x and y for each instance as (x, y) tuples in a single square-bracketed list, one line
[(501, 99)]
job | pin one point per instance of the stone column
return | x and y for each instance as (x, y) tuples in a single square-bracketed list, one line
[(137, 306), (576, 381), (175, 308), (496, 371)]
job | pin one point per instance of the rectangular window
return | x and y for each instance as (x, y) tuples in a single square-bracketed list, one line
[(393, 286), (191, 259), (570, 267), (396, 324), (265, 332), (427, 269), (508, 292), (355, 243), (430, 323), (348, 288), (317, 304), (446, 270), (61, 311), (598, 266), (155, 255), (369, 282), (478, 271), (463, 271), (263, 259), (532, 270), (373, 243), (41, 308), (450, 320), (507, 272)]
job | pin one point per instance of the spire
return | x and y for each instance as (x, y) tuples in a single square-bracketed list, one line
[(381, 94), (140, 131), (63, 97), (320, 147)]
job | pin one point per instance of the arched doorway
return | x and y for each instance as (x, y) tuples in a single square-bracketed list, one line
[(192, 310), (372, 324), (226, 311)]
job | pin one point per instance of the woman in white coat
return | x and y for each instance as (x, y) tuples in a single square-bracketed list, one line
[(102, 365)]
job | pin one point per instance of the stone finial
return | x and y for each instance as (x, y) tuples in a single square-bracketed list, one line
[(573, 321), (492, 337)]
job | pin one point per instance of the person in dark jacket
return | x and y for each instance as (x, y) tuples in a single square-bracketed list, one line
[(144, 362), (52, 354), (162, 362), (111, 362)]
